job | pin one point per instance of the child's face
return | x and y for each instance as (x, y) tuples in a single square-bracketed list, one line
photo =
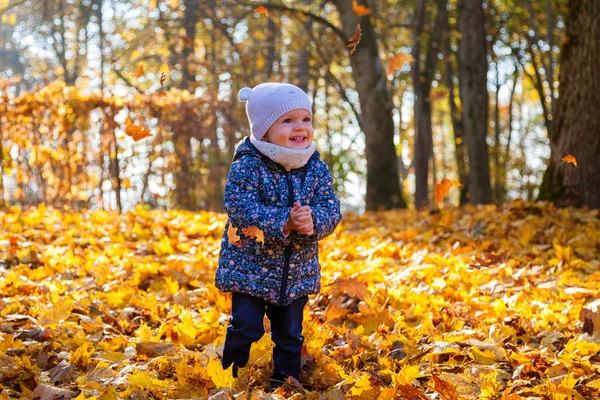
[(293, 130)]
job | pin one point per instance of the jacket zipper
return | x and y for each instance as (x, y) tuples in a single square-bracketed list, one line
[(286, 262)]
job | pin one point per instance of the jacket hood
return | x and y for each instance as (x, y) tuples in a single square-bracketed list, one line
[(244, 147)]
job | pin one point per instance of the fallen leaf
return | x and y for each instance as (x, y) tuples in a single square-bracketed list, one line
[(255, 233), (445, 389), (360, 10), (232, 235), (569, 159), (351, 287), (442, 188), (590, 317), (493, 259), (355, 39)]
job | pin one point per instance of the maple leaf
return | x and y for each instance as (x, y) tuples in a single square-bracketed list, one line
[(354, 39), (135, 131), (569, 159), (232, 235), (396, 62), (255, 233), (444, 388), (442, 188), (493, 259), (411, 392), (163, 76), (351, 287), (262, 10), (360, 10), (140, 71)]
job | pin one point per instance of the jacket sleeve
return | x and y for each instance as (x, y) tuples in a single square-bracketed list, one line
[(325, 209), (244, 208)]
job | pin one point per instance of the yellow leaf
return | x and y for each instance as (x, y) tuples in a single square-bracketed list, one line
[(219, 376), (360, 385), (490, 387), (360, 10), (163, 247), (407, 375), (172, 285), (81, 356), (351, 287)]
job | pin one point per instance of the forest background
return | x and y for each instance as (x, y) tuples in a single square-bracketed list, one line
[(404, 111)]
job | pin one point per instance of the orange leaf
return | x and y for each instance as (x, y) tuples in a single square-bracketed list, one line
[(360, 10), (411, 392), (232, 235), (254, 232), (351, 287), (493, 259), (444, 388), (163, 76), (354, 39), (135, 131), (570, 159), (396, 62), (442, 188), (140, 71), (262, 10)]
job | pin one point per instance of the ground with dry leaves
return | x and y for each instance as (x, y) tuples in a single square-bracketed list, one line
[(495, 303)]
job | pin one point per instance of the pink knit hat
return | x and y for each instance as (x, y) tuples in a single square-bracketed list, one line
[(267, 102)]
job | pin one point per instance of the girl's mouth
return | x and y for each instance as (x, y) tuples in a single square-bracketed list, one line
[(298, 139)]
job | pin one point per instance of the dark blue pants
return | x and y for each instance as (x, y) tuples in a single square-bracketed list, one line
[(246, 327)]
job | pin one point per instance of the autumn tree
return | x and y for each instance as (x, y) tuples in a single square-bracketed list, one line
[(577, 124), (473, 68)]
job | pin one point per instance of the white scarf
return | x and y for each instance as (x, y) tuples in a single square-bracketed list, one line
[(288, 158)]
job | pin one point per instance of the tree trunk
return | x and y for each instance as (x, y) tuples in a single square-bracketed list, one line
[(422, 87), (383, 183), (455, 115), (577, 124), (473, 68)]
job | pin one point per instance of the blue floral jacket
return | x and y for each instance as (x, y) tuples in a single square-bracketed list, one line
[(260, 193)]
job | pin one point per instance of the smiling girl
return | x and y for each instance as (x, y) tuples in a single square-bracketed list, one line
[(278, 184)]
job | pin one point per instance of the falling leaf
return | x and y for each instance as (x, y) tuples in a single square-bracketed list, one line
[(437, 94), (135, 131), (570, 159), (360, 10), (140, 71), (442, 188), (232, 235), (262, 10), (396, 62), (162, 79), (355, 39), (114, 60), (254, 232), (351, 287), (493, 259)]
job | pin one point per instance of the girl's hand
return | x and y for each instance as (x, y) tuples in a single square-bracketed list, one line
[(301, 219)]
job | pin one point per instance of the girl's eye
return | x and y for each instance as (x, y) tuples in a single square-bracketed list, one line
[(306, 119), (287, 120)]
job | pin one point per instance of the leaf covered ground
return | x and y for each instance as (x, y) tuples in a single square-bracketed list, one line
[(489, 302)]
